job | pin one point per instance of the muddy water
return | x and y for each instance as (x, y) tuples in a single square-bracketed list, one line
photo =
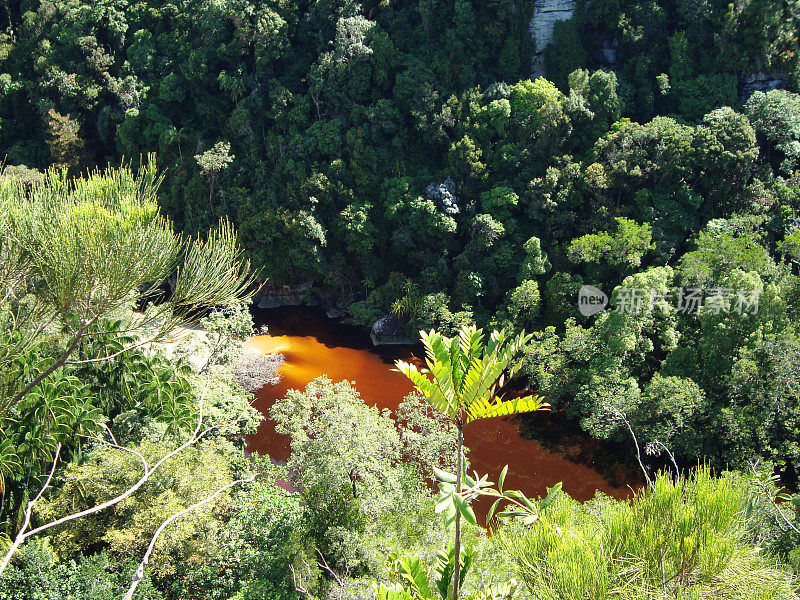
[(314, 346)]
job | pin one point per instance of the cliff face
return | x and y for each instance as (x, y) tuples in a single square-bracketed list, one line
[(758, 82), (546, 14)]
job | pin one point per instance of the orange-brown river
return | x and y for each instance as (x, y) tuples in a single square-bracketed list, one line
[(314, 346)]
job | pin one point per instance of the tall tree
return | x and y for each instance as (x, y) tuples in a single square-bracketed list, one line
[(212, 162)]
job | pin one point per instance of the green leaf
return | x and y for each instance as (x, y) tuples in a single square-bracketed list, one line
[(392, 592), (502, 479), (493, 508), (411, 570), (445, 476), (552, 494), (465, 510), (469, 480)]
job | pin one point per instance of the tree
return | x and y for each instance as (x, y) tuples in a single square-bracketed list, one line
[(536, 261), (129, 486), (64, 140), (763, 419), (427, 435), (524, 302), (499, 202), (465, 160), (337, 441), (565, 52), (722, 246), (775, 115), (80, 256), (212, 162), (624, 248), (537, 109), (461, 379), (90, 246)]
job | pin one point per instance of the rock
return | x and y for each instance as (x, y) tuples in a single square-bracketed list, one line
[(336, 313), (610, 51), (444, 196), (278, 300), (546, 13), (389, 331), (758, 82), (154, 292), (254, 370), (276, 296)]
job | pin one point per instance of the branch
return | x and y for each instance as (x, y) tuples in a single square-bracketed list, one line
[(329, 570), (655, 444), (148, 472), (28, 510), (621, 416), (115, 354), (139, 574), (297, 579), (772, 500), (61, 361)]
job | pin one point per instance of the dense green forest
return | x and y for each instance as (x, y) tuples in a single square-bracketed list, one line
[(406, 159)]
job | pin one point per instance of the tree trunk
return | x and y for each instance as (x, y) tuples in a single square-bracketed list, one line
[(211, 196), (459, 469)]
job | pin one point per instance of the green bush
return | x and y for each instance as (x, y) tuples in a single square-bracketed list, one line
[(685, 538)]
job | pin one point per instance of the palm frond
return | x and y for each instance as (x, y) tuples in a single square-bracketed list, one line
[(485, 409)]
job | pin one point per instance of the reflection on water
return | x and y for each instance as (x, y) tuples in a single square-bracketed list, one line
[(314, 346)]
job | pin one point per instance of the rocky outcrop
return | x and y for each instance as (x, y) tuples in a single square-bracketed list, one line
[(389, 331), (546, 13), (334, 312), (254, 370), (758, 82), (444, 196), (276, 296), (609, 52)]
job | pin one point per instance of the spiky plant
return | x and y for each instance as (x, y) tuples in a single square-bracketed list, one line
[(79, 253)]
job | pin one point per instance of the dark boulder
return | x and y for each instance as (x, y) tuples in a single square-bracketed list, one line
[(389, 331)]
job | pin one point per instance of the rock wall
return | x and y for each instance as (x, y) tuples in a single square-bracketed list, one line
[(758, 82), (275, 296), (546, 14)]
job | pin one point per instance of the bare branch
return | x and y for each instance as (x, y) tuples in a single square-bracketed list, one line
[(110, 434), (139, 574), (28, 510), (621, 416), (653, 448), (148, 472), (772, 500), (329, 570), (297, 579)]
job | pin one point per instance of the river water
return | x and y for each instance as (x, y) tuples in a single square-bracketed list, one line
[(314, 345)]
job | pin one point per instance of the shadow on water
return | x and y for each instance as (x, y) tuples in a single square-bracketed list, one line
[(314, 345)]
